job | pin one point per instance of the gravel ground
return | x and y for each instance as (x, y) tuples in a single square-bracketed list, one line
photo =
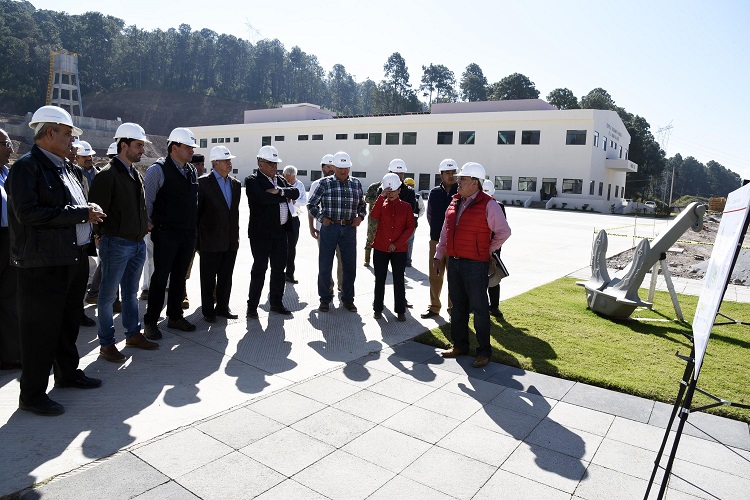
[(692, 261)]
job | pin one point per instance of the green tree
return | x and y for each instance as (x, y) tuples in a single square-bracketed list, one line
[(598, 99), (563, 98), (473, 84), (515, 86), (395, 93), (438, 79), (721, 180), (342, 91)]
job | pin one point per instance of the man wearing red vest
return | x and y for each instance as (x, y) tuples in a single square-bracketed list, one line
[(473, 229)]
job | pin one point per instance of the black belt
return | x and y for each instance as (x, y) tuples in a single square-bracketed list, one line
[(342, 222)]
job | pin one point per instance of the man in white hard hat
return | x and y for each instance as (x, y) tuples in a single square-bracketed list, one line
[(440, 197), (270, 197), (118, 189), (474, 227), (172, 206), (218, 233), (10, 340), (290, 174), (327, 169), (45, 199), (85, 159), (338, 202)]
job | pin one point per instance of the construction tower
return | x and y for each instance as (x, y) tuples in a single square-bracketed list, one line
[(63, 87)]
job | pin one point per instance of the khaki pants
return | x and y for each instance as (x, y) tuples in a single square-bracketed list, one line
[(436, 282)]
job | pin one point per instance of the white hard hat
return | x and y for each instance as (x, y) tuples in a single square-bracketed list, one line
[(472, 169), (183, 136), (342, 160), (220, 153), (130, 130), (397, 165), (83, 148), (112, 149), (52, 114), (269, 153), (390, 181), (488, 187), (448, 164), (327, 160)]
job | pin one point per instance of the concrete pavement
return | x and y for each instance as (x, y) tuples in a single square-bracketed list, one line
[(339, 405)]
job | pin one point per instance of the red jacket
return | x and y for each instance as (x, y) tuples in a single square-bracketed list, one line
[(471, 238), (395, 224)]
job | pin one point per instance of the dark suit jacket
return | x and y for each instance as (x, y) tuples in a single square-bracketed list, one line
[(218, 224), (264, 207)]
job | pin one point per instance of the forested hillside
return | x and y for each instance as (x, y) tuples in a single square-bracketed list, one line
[(178, 76)]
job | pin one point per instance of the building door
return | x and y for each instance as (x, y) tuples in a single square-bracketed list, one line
[(424, 182), (549, 188)]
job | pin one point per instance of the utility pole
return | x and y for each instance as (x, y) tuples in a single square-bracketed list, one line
[(662, 137)]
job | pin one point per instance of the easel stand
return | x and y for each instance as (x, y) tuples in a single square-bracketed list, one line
[(683, 407)]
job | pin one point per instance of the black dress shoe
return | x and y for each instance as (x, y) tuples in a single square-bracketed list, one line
[(252, 313), (86, 321), (227, 314), (409, 305), (79, 381), (281, 310), (210, 319), (47, 408), (428, 314), (290, 279)]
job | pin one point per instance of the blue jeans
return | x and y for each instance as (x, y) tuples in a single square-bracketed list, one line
[(121, 265), (467, 289), (345, 237)]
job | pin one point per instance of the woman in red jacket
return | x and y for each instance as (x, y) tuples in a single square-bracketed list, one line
[(395, 225)]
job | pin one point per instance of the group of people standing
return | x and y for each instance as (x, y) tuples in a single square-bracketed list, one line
[(55, 214)]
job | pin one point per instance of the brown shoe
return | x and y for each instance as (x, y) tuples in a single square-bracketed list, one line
[(481, 362), (453, 352), (139, 341), (110, 353)]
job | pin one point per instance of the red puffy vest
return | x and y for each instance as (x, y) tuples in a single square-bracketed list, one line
[(470, 239)]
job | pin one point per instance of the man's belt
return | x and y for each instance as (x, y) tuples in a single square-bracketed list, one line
[(342, 222)]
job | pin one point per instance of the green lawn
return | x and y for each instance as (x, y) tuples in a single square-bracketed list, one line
[(550, 330)]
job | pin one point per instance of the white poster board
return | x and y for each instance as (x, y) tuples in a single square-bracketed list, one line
[(719, 270)]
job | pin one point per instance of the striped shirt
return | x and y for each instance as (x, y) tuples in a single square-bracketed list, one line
[(338, 200)]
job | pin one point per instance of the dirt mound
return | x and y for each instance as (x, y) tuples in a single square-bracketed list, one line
[(693, 251)]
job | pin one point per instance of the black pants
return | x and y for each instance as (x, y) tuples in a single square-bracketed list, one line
[(398, 265), (173, 250), (493, 293), (50, 304), (291, 247), (267, 250), (216, 272), (10, 339)]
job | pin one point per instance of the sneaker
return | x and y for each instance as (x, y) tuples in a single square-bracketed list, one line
[(151, 331), (144, 295), (111, 353), (181, 324)]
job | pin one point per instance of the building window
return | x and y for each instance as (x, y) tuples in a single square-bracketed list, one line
[(359, 175), (604, 143), (302, 137), (503, 182), (620, 151), (592, 187), (317, 137), (506, 136), (601, 188), (342, 137), (617, 191), (214, 140), (445, 138), (316, 174), (612, 144), (391, 138), (265, 140), (227, 140), (375, 139), (301, 173), (204, 143), (361, 136), (221, 140), (409, 138), (572, 186), (530, 137), (234, 171), (466, 137), (609, 191), (527, 184), (626, 154), (236, 139), (577, 137), (278, 138), (596, 141)]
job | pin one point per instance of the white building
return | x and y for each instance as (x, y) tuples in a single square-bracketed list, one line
[(575, 159)]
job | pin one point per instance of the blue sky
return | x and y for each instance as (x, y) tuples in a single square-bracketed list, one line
[(679, 62)]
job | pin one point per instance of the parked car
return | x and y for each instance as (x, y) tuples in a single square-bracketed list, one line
[(650, 204)]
